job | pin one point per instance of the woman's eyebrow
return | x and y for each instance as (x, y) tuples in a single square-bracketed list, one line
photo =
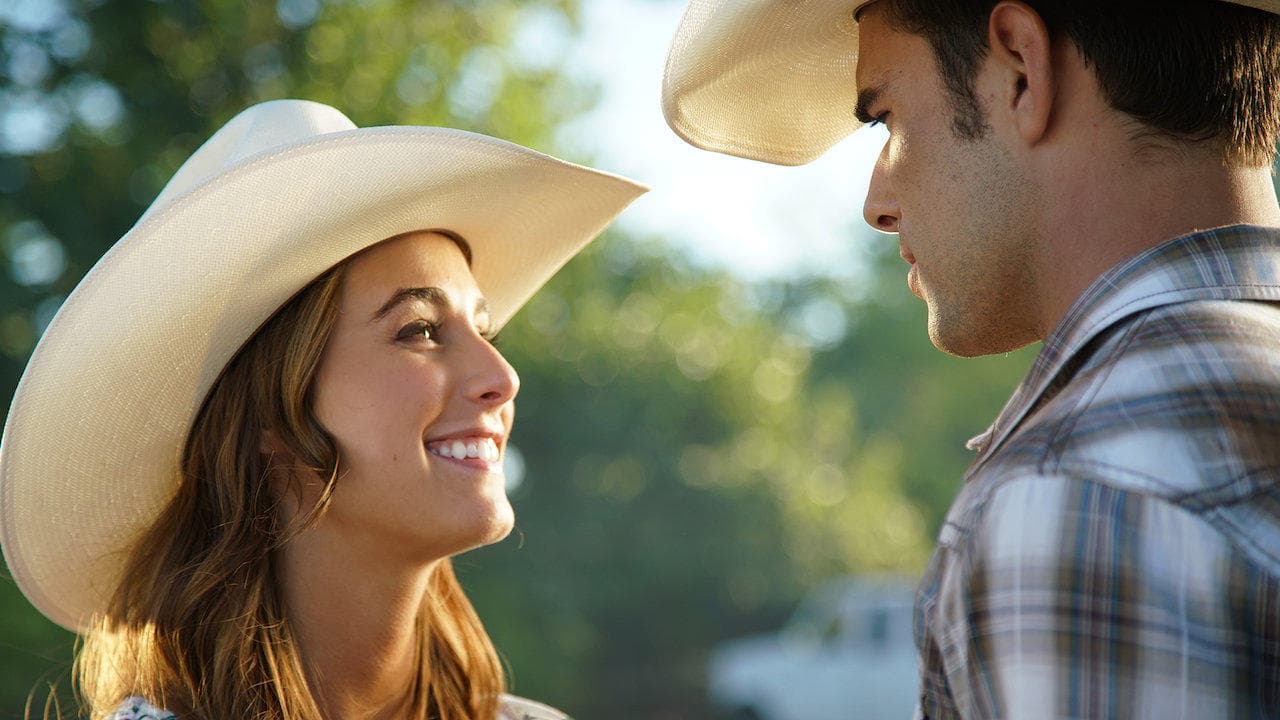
[(431, 295)]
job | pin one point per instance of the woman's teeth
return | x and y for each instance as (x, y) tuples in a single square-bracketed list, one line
[(483, 448)]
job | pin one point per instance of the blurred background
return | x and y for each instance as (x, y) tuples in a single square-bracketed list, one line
[(730, 409)]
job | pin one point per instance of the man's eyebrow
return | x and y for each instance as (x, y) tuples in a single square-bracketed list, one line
[(866, 98), (432, 295)]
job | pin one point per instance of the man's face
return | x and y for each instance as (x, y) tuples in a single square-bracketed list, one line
[(961, 207)]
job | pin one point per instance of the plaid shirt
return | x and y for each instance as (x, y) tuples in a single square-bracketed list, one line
[(1115, 550)]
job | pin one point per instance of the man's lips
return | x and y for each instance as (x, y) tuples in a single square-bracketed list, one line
[(906, 255), (913, 275)]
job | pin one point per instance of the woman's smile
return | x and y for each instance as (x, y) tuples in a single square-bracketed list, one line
[(481, 448)]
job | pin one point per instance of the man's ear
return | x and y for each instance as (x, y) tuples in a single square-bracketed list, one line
[(1021, 65)]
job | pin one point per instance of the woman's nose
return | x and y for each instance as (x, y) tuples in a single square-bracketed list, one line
[(494, 382)]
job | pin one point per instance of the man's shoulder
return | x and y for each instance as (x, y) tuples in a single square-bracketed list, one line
[(1177, 400), (1179, 406)]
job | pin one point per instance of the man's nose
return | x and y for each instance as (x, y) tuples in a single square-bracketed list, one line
[(880, 210)]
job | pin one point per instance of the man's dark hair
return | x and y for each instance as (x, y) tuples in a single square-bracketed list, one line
[(1195, 70)]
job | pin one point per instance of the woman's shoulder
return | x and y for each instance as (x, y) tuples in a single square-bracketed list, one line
[(136, 708), (512, 708), (518, 708)]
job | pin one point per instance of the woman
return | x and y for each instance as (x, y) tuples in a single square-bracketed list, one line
[(243, 452)]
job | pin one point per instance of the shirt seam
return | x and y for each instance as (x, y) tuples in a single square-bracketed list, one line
[(1110, 317), (1055, 451)]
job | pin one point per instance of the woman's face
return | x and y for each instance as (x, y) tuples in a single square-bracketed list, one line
[(419, 402)]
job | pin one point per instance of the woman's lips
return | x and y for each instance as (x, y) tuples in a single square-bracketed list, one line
[(479, 446), (473, 463), (479, 452)]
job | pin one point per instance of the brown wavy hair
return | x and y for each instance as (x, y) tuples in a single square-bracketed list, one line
[(198, 625)]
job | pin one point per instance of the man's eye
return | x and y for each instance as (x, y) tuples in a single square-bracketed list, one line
[(418, 329), (878, 120)]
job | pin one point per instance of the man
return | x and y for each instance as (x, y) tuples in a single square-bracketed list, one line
[(1094, 174)]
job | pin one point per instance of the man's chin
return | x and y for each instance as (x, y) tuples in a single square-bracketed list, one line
[(974, 335)]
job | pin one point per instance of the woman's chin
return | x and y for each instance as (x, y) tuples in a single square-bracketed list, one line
[(502, 522), (490, 526)]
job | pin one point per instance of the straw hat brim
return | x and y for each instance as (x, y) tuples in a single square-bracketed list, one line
[(95, 434), (770, 80)]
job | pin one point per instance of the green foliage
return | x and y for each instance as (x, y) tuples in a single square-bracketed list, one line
[(697, 454)]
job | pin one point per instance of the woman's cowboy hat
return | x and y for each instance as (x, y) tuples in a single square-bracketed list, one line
[(282, 192), (771, 80)]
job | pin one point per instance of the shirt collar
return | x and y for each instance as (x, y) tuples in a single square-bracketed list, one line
[(1240, 262)]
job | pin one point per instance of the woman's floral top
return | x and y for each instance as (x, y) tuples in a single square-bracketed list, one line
[(135, 708), (512, 708)]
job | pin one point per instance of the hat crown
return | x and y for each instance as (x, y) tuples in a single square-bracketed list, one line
[(261, 128)]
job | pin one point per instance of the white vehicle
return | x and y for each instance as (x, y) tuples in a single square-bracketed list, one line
[(846, 654)]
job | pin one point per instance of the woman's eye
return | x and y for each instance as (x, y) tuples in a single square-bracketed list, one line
[(492, 337), (418, 329), (878, 120)]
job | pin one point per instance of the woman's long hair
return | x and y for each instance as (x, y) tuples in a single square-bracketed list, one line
[(198, 625)]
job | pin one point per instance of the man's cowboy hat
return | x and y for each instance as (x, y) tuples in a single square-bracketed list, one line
[(282, 192), (771, 80)]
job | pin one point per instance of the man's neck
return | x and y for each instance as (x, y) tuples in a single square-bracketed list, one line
[(1100, 218)]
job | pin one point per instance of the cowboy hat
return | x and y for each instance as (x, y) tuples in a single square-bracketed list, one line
[(282, 192), (771, 80)]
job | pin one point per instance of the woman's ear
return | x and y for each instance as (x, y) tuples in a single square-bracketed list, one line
[(279, 472), (269, 444), (1021, 58), (299, 490)]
